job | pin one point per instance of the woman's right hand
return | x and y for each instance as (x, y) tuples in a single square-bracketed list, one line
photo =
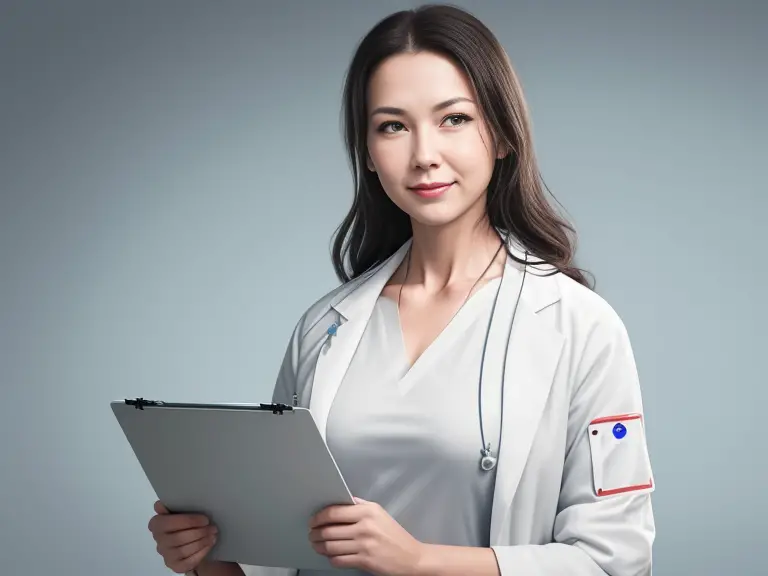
[(183, 540)]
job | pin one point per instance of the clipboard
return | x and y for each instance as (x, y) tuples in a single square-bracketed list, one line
[(258, 471)]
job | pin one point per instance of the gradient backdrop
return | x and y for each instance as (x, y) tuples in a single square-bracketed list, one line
[(170, 176)]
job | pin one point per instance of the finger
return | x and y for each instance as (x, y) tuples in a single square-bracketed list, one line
[(355, 561), (160, 510), (337, 547), (179, 522), (190, 563), (203, 544), (163, 525), (333, 532), (178, 553), (184, 537), (341, 514)]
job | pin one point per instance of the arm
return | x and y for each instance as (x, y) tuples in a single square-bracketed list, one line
[(457, 561), (596, 535), (287, 374)]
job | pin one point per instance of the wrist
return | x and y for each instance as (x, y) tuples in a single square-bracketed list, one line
[(425, 562), (437, 560)]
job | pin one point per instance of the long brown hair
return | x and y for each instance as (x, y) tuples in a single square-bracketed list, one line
[(374, 228)]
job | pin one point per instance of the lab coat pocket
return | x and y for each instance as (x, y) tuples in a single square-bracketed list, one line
[(620, 461)]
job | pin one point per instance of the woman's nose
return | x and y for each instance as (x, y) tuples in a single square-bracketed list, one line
[(425, 152)]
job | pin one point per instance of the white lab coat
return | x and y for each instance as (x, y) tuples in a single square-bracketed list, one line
[(568, 362)]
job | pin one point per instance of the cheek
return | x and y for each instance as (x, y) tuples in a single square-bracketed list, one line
[(474, 147), (390, 159), (472, 160)]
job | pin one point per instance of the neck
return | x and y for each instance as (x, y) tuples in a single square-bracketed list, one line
[(456, 253)]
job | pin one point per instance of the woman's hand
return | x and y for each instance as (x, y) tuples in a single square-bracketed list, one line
[(183, 540), (366, 537)]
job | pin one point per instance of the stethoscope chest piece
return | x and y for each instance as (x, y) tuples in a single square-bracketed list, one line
[(488, 461)]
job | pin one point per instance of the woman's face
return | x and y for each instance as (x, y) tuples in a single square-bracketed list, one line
[(425, 129)]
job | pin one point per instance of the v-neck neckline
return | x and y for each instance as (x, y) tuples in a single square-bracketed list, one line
[(460, 320)]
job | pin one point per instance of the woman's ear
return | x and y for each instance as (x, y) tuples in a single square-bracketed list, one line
[(369, 162)]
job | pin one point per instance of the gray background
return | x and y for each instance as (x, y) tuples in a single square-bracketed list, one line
[(170, 176)]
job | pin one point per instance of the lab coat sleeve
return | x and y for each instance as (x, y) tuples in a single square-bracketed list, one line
[(283, 392), (594, 536)]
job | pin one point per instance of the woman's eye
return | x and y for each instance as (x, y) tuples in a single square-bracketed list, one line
[(452, 121), (457, 119), (397, 126)]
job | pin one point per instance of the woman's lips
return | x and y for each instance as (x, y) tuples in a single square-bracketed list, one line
[(431, 190)]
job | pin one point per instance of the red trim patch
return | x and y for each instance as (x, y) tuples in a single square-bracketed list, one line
[(618, 418)]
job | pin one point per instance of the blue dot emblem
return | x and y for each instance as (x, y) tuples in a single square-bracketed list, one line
[(619, 431), (332, 329)]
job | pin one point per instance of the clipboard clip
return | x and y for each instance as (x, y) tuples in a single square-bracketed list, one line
[(139, 403), (276, 408)]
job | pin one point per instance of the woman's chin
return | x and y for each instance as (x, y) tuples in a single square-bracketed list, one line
[(434, 215)]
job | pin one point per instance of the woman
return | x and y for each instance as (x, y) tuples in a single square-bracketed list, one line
[(472, 388)]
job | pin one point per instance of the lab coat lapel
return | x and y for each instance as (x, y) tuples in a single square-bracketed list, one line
[(353, 310), (527, 366)]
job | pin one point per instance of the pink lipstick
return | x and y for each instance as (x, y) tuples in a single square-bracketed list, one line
[(430, 189)]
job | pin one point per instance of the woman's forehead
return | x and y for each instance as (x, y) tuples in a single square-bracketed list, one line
[(417, 81)]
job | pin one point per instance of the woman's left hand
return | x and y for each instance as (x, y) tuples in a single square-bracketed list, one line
[(364, 536)]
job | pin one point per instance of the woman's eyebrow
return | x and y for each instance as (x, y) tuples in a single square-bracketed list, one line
[(437, 107)]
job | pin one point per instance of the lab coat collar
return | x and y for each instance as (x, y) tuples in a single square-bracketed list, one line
[(361, 294), (525, 358), (361, 297)]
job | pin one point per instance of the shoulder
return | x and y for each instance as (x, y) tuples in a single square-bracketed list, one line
[(586, 307), (567, 305), (318, 311), (587, 321), (597, 341)]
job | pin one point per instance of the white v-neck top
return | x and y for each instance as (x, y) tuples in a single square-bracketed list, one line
[(409, 439)]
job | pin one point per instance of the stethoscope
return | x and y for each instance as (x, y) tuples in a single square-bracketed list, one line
[(488, 459)]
